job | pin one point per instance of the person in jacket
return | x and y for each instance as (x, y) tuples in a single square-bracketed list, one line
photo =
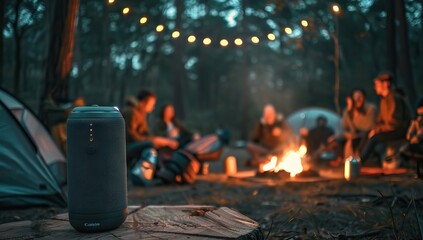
[(170, 127), (357, 121), (393, 119), (319, 136), (138, 135), (271, 135)]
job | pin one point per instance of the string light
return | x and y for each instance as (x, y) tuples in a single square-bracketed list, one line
[(271, 36), (238, 41), (159, 28), (191, 39), (125, 10), (336, 8), (224, 42), (288, 30), (176, 34), (143, 20), (207, 41)]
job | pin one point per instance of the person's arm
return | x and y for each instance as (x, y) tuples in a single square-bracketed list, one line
[(393, 112), (256, 133), (411, 130), (417, 135), (398, 113), (371, 116), (136, 127), (347, 125), (133, 130), (159, 142)]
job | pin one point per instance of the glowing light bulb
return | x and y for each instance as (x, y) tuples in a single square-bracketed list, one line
[(207, 41), (238, 42), (125, 10), (159, 28), (224, 42), (304, 23), (336, 8), (111, 1), (288, 30), (255, 39), (176, 34), (271, 36), (191, 39), (143, 20)]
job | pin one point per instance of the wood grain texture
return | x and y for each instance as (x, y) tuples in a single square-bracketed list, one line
[(152, 222)]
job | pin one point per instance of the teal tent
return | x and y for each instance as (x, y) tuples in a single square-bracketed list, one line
[(306, 118), (32, 168)]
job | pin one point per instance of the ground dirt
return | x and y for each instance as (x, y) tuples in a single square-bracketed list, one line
[(369, 207)]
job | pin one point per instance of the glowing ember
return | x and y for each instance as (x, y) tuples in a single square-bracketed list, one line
[(291, 162), (302, 150), (271, 165)]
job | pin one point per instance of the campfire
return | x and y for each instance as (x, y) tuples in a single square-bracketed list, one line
[(292, 162)]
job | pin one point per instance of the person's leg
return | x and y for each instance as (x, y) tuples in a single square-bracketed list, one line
[(257, 152), (378, 138), (134, 149), (362, 141)]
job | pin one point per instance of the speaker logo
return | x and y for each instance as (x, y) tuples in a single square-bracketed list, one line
[(91, 224)]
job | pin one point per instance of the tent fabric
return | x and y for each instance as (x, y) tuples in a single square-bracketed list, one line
[(306, 118), (39, 135), (25, 176)]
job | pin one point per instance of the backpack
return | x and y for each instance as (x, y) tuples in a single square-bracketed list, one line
[(182, 168)]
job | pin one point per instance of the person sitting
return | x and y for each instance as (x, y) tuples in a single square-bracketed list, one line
[(272, 135), (138, 135), (168, 126), (357, 121), (130, 101), (414, 148), (58, 131), (319, 136), (393, 119)]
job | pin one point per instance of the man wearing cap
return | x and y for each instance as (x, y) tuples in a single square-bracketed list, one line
[(393, 119)]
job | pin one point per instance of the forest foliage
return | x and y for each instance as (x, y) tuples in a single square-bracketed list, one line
[(212, 86)]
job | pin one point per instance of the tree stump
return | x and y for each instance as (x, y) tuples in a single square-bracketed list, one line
[(152, 222)]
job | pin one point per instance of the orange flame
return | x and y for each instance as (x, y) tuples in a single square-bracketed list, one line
[(290, 162)]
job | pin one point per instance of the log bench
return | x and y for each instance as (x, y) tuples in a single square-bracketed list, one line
[(152, 222)]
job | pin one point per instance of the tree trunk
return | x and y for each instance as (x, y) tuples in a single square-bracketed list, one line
[(390, 38), (106, 68), (203, 87), (337, 87), (17, 35), (178, 66), (404, 54), (59, 61), (245, 103), (2, 5)]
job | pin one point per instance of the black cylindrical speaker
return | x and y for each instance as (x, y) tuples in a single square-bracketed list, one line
[(97, 191)]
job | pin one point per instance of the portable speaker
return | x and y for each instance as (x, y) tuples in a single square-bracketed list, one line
[(97, 189)]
